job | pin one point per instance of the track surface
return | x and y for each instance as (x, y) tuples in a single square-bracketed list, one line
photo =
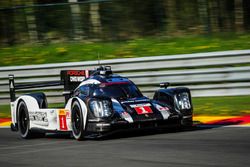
[(224, 146)]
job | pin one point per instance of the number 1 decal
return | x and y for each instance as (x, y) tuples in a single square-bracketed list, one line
[(143, 110)]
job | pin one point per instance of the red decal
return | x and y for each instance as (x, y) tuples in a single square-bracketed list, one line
[(143, 110), (63, 124), (76, 73), (67, 114), (160, 108)]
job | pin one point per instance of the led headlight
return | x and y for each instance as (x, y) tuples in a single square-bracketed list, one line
[(182, 101), (100, 108)]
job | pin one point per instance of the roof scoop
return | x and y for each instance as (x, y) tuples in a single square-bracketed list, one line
[(164, 85), (104, 70)]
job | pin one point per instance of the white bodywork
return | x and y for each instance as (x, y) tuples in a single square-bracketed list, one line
[(51, 119)]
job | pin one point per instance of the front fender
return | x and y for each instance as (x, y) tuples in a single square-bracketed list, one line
[(83, 107), (168, 96)]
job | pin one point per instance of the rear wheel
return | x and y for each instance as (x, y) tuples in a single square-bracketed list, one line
[(23, 121), (77, 121)]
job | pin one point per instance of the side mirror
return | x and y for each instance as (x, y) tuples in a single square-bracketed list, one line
[(164, 85)]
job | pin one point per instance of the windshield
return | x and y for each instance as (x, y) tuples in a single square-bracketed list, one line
[(118, 91)]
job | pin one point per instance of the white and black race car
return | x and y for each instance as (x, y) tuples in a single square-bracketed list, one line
[(98, 102)]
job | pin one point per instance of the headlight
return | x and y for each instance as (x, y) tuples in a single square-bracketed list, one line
[(182, 101), (100, 108)]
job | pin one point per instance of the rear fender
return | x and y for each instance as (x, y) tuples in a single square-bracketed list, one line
[(40, 98), (30, 102)]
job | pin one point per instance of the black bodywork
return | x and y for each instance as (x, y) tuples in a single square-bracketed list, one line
[(126, 106), (168, 96), (126, 93)]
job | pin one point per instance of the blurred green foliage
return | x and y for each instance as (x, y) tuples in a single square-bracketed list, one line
[(33, 32), (33, 21), (150, 46)]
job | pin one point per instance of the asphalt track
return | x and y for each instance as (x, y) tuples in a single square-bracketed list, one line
[(199, 147)]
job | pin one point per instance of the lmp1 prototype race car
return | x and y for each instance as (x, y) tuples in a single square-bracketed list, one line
[(97, 103)]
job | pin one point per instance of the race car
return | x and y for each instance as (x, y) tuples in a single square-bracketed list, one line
[(97, 103)]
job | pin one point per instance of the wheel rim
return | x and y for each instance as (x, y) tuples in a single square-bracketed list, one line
[(23, 121), (76, 120)]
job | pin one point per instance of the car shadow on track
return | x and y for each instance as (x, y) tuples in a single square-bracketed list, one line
[(140, 133), (132, 133)]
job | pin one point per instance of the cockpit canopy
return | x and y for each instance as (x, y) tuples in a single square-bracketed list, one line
[(117, 90), (122, 90)]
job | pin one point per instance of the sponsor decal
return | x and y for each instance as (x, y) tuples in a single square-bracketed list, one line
[(126, 116), (77, 75), (76, 72), (129, 101), (67, 114), (142, 108), (161, 108), (38, 116), (76, 79), (62, 119), (134, 101)]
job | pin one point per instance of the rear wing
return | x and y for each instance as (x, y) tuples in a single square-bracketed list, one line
[(69, 78), (13, 87)]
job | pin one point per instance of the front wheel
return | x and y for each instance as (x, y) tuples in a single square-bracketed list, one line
[(77, 121), (23, 121)]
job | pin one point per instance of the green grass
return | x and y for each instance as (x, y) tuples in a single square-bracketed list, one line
[(235, 105), (81, 51), (5, 111)]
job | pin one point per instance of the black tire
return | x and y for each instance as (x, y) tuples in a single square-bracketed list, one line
[(77, 121), (23, 121)]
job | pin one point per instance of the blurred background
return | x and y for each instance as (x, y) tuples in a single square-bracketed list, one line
[(48, 21), (118, 28), (53, 31)]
